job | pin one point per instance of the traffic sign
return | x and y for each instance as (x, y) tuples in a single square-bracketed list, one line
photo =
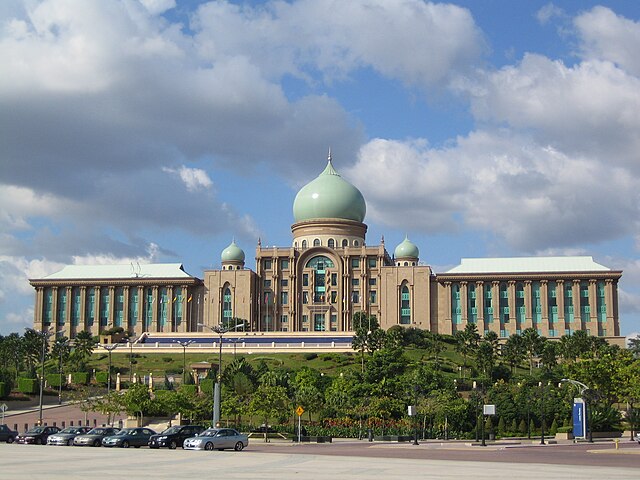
[(299, 411), (3, 407)]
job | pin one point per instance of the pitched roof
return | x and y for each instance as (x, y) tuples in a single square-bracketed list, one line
[(153, 270), (528, 265)]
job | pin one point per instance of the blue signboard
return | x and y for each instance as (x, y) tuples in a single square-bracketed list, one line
[(579, 418)]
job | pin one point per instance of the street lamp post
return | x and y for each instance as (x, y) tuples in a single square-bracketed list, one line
[(132, 339), (61, 347), (109, 349), (541, 385), (220, 330), (583, 393), (184, 346)]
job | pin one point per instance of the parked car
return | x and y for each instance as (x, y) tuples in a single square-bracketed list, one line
[(637, 437), (174, 436), (36, 435), (6, 434), (93, 438), (66, 435), (217, 438), (129, 437)]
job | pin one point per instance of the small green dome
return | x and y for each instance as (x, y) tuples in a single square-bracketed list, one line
[(233, 253), (406, 249), (329, 196)]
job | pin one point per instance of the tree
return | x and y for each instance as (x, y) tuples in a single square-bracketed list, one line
[(532, 343), (467, 341), (83, 346), (368, 337), (308, 390), (269, 402), (513, 351), (485, 358)]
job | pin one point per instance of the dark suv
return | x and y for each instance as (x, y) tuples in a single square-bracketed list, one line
[(6, 434), (37, 435), (173, 437)]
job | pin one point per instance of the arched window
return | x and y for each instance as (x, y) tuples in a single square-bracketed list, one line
[(316, 242), (406, 264), (331, 243), (345, 243), (227, 312), (356, 243), (405, 305), (304, 244)]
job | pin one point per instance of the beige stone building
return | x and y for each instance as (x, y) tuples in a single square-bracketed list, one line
[(327, 274)]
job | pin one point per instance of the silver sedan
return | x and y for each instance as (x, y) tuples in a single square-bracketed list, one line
[(217, 439)]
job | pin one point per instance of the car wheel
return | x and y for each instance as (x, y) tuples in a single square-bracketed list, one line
[(208, 446), (38, 441), (239, 446), (173, 445), (70, 442), (10, 440), (125, 444), (96, 443)]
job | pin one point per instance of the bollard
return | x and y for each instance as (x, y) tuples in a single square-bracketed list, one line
[(370, 434), (617, 441)]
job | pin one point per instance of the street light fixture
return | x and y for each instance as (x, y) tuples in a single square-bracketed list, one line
[(131, 340), (61, 346), (220, 330), (184, 346), (542, 386), (109, 349), (584, 393), (44, 334)]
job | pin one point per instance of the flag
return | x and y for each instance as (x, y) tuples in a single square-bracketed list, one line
[(190, 298)]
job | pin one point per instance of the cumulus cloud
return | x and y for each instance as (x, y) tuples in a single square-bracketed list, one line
[(548, 12)]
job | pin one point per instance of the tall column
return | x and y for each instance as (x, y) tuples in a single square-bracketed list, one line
[(154, 311), (593, 308), (608, 296), (560, 303), (544, 303), (68, 328), (513, 310), (95, 329), (447, 306), (54, 308), (125, 309), (112, 305), (38, 317), (480, 306), (575, 293), (83, 308), (170, 294), (495, 303), (528, 319), (141, 305), (464, 302)]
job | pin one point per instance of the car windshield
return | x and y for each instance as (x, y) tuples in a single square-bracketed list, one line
[(171, 430), (126, 431), (36, 430), (97, 431), (69, 430), (209, 432)]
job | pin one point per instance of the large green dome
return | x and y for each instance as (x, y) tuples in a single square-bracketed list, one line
[(233, 253), (329, 196), (406, 249)]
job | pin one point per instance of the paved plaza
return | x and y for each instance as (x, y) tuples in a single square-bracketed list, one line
[(341, 460)]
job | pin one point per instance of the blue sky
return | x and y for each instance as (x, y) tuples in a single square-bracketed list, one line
[(157, 131)]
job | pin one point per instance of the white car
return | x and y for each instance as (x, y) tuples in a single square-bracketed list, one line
[(217, 439)]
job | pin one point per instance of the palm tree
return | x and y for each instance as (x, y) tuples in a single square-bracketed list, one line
[(513, 351), (533, 344)]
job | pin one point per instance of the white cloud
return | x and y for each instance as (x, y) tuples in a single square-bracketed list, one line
[(548, 12), (156, 7), (604, 35), (193, 178)]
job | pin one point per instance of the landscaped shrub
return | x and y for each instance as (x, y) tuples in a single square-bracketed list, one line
[(167, 359), (565, 430), (206, 386), (102, 377), (28, 385), (80, 378), (3, 388), (53, 380), (188, 389), (310, 356)]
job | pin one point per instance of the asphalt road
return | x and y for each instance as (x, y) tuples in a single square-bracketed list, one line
[(287, 462)]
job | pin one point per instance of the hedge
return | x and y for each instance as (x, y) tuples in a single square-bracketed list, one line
[(28, 385), (188, 389), (53, 380), (206, 386), (102, 377), (80, 378), (3, 388)]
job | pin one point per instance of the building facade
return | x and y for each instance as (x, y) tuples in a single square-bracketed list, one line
[(327, 274)]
